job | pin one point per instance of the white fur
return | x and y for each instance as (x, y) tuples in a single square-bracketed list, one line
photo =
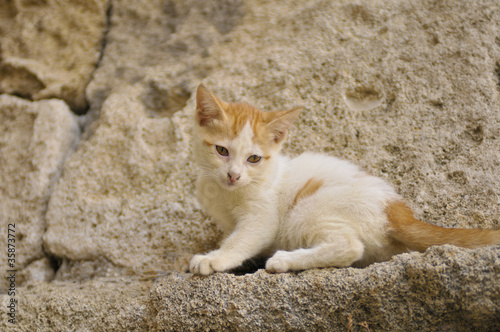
[(343, 223)]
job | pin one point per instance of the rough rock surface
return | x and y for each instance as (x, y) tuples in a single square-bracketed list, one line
[(126, 193), (408, 90), (132, 177), (163, 46), (35, 139), (97, 305), (413, 292), (50, 48)]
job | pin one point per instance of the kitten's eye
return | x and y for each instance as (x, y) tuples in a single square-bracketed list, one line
[(222, 150), (254, 159)]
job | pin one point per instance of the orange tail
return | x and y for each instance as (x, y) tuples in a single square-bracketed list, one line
[(418, 235)]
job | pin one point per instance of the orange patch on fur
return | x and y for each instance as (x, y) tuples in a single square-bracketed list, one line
[(308, 189), (418, 235), (240, 114), (237, 115), (222, 120)]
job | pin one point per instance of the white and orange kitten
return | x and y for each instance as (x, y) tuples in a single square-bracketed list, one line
[(308, 212)]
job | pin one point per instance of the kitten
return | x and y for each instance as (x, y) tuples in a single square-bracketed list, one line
[(308, 212)]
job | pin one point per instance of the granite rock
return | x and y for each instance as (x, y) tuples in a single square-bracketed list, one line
[(163, 46), (97, 305), (445, 289), (408, 90), (50, 49), (35, 141), (126, 194)]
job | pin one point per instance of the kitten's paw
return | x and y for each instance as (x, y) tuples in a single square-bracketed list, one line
[(210, 263), (280, 262), (200, 264)]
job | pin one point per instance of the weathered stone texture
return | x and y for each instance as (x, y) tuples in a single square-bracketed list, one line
[(98, 305), (409, 90), (163, 46), (49, 49), (35, 139), (126, 193), (413, 292)]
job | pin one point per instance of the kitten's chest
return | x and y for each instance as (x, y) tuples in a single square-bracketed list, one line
[(218, 203)]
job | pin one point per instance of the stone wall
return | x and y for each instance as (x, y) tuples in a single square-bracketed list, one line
[(96, 168)]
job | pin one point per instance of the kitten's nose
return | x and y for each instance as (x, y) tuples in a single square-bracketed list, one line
[(233, 177)]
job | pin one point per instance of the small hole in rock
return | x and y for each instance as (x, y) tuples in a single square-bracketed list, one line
[(363, 99), (163, 102)]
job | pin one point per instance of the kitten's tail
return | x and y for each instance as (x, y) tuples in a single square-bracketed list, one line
[(418, 235)]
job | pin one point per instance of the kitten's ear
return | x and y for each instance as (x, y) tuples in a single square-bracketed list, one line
[(281, 121), (208, 107)]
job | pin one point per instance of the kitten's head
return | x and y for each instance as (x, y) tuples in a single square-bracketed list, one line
[(235, 142)]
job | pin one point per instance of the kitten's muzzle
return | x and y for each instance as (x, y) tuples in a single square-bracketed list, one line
[(233, 177)]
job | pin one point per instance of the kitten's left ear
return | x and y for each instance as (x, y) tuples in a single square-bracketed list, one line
[(281, 121), (209, 108)]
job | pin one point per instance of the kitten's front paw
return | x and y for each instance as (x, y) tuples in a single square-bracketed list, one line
[(210, 263), (200, 264), (280, 262)]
